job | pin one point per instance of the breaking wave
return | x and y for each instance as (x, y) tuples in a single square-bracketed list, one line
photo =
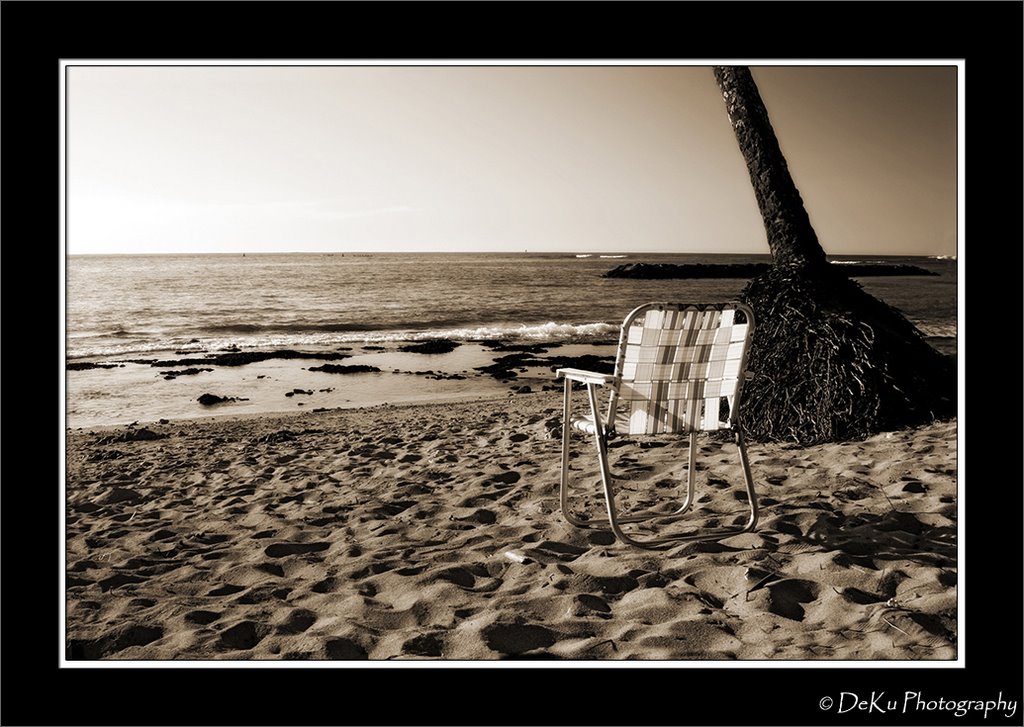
[(937, 330), (324, 336)]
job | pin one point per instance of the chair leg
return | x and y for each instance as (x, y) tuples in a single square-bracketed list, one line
[(601, 441), (564, 488), (748, 481), (668, 541)]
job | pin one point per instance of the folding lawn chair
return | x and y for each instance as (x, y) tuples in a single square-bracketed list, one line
[(677, 365)]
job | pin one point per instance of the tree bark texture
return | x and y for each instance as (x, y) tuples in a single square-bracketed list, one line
[(791, 238), (832, 363)]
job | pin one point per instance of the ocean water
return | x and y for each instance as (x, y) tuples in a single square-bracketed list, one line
[(125, 305), (124, 311)]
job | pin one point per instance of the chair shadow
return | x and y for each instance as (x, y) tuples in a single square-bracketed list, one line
[(894, 535)]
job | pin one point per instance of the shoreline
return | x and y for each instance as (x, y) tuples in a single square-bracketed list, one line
[(116, 391), (383, 533)]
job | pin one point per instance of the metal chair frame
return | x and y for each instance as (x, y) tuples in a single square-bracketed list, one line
[(605, 429)]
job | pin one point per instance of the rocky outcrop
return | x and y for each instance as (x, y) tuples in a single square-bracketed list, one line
[(211, 399), (508, 366), (241, 358), (171, 375), (88, 365), (440, 345), (336, 369), (653, 271)]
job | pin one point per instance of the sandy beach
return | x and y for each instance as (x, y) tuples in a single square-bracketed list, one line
[(432, 531)]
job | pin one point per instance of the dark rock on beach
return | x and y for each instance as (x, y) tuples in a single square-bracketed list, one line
[(435, 375), (211, 399), (495, 345), (171, 375), (653, 271), (336, 369), (441, 345), (506, 367), (241, 358), (87, 365)]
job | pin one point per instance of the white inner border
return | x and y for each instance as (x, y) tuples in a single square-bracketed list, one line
[(959, 662)]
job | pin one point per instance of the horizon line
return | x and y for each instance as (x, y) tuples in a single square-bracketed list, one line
[(589, 253)]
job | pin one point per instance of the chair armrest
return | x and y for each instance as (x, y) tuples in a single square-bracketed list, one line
[(587, 377)]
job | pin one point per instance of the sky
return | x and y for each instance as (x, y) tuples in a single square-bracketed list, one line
[(178, 159)]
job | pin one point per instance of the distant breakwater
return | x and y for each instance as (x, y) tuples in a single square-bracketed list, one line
[(651, 271)]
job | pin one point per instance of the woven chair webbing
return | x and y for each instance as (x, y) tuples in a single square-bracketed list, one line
[(676, 367)]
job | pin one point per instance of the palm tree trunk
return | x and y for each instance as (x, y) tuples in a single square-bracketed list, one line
[(831, 362), (791, 238)]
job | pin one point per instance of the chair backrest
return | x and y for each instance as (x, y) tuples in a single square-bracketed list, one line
[(676, 362)]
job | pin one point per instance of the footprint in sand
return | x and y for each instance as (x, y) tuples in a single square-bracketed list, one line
[(505, 478), (787, 596), (601, 537), (244, 635), (280, 550), (345, 649), (424, 645), (845, 560), (272, 568), (119, 579), (256, 594), (297, 621), (610, 585), (114, 641), (327, 585), (706, 547), (390, 509), (587, 605), (514, 639), (481, 516), (551, 550), (863, 598), (202, 617), (412, 570), (475, 578), (654, 580), (374, 569)]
